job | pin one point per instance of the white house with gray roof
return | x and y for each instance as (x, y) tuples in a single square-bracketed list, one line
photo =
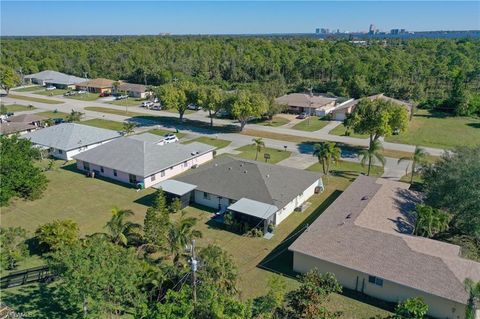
[(255, 192), (365, 239), (69, 139), (57, 79), (143, 160)]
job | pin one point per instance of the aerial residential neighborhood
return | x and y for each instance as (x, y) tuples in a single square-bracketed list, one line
[(216, 160)]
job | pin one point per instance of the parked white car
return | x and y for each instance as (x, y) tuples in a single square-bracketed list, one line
[(148, 104), (193, 107), (170, 138), (82, 92), (50, 88)]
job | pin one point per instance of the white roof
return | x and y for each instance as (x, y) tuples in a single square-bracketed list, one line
[(253, 208), (175, 187), (55, 77)]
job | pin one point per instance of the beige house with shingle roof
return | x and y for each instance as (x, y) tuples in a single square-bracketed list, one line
[(365, 239)]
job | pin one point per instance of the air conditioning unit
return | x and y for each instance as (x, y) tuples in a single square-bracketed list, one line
[(194, 166)]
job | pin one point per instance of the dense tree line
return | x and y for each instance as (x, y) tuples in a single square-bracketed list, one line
[(422, 70)]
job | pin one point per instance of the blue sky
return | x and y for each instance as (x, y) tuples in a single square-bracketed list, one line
[(231, 17)]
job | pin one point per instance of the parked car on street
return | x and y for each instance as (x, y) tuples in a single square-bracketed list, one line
[(121, 97), (148, 104), (82, 92), (170, 138), (58, 120), (193, 107), (50, 88)]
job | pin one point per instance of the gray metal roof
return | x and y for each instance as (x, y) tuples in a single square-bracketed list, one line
[(175, 187), (69, 136), (55, 77), (238, 178), (133, 155), (253, 208), (359, 231)]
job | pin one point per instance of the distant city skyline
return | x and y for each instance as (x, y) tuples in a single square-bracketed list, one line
[(25, 18)]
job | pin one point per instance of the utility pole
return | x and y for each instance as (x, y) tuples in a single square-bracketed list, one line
[(194, 267)]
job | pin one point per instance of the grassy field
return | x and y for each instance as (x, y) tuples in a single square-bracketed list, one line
[(53, 115), (18, 108), (347, 170), (71, 195), (29, 89), (127, 102), (52, 92), (176, 112), (340, 131), (436, 129), (311, 124), (276, 155), (218, 143), (34, 99), (84, 97), (275, 121), (113, 111), (109, 125)]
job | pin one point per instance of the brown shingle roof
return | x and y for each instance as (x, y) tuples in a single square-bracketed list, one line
[(132, 87), (97, 83), (15, 127), (304, 100), (26, 118), (347, 234)]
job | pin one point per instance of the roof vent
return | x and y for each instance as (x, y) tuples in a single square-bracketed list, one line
[(268, 175), (245, 171), (197, 152), (241, 164), (192, 153), (365, 197), (229, 168), (216, 164), (348, 216)]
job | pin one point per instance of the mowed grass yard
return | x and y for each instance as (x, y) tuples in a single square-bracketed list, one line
[(276, 155), (218, 143), (162, 132), (71, 195), (127, 102), (348, 170), (436, 129), (53, 115), (52, 92), (274, 122), (29, 89), (114, 111), (340, 131), (106, 124), (18, 108), (34, 99), (311, 124), (84, 97)]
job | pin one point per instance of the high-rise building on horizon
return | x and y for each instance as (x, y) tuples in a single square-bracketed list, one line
[(371, 30)]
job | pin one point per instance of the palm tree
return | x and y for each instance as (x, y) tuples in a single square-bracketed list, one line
[(180, 233), (119, 230), (326, 152), (430, 221), (259, 144), (128, 127), (473, 289), (374, 152), (418, 157)]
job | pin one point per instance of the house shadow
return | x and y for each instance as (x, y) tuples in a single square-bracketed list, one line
[(73, 168), (405, 203)]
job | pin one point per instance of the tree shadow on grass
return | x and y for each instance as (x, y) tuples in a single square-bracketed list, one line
[(39, 301), (474, 125)]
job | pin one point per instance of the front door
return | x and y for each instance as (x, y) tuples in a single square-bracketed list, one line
[(132, 178)]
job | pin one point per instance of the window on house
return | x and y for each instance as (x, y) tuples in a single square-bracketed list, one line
[(206, 195), (101, 169), (86, 166), (114, 172), (60, 152), (162, 173), (375, 280), (153, 178), (185, 164), (132, 178)]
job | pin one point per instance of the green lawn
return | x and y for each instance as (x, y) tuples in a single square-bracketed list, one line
[(29, 89), (53, 115), (52, 92), (163, 132), (347, 170), (310, 124), (109, 125), (276, 155), (113, 111), (340, 131), (436, 129), (176, 112), (34, 99), (71, 195), (127, 102), (218, 143), (275, 121), (18, 108), (85, 97)]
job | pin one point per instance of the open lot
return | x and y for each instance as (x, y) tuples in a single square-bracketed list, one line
[(439, 130), (276, 155), (52, 92), (113, 111), (109, 125), (218, 143), (310, 124), (18, 108), (29, 89), (275, 121), (84, 97), (127, 102), (53, 115), (34, 99)]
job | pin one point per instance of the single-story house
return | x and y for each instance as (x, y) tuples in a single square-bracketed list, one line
[(57, 79), (68, 139), (99, 85), (257, 193), (312, 104), (340, 112), (143, 160), (138, 91), (21, 124), (365, 239)]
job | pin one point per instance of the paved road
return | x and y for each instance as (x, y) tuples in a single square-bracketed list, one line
[(301, 157)]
